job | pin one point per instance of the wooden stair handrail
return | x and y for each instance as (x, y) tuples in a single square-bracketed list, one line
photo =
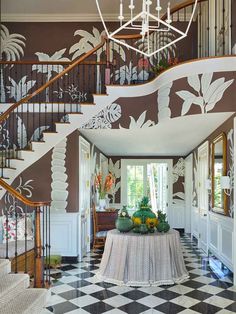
[(46, 85), (176, 8), (32, 62), (20, 197)]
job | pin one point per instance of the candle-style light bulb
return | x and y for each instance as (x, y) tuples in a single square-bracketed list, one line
[(168, 14), (121, 17), (158, 7), (131, 6)]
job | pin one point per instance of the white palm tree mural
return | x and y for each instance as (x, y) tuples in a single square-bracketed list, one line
[(90, 40), (130, 73), (157, 40), (12, 49), (140, 123), (207, 93), (20, 89), (47, 68)]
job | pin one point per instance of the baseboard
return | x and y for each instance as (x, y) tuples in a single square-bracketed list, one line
[(69, 259), (181, 230)]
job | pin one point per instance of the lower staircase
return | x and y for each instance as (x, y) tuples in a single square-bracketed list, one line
[(16, 296)]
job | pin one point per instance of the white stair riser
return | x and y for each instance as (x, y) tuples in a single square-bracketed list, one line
[(5, 267)]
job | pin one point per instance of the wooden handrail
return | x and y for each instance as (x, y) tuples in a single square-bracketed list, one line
[(46, 85), (31, 62), (20, 197), (176, 8)]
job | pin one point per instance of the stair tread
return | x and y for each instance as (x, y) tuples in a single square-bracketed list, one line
[(28, 301), (9, 282)]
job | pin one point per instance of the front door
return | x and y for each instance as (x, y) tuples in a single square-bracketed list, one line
[(203, 197), (84, 197)]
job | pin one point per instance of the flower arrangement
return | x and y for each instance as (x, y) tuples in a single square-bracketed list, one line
[(164, 64), (103, 186)]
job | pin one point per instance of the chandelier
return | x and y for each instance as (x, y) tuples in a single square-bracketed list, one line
[(148, 24)]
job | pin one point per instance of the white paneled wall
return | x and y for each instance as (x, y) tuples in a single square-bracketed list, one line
[(221, 238), (195, 222)]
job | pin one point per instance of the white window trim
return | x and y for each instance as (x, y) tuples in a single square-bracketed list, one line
[(125, 162)]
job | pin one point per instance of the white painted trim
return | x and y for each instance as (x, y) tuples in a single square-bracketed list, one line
[(84, 213), (188, 183), (79, 17), (203, 150)]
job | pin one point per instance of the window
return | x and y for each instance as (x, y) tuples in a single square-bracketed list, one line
[(145, 178)]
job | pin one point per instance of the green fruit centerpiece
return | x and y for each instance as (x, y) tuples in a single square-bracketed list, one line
[(163, 225), (144, 215), (124, 222)]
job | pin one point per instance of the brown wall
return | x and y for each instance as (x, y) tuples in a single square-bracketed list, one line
[(226, 127)]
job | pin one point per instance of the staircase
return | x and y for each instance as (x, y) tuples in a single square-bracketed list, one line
[(16, 296), (23, 158)]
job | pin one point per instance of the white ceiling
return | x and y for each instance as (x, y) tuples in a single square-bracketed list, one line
[(174, 137)]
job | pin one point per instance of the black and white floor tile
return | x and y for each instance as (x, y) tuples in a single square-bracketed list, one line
[(209, 290)]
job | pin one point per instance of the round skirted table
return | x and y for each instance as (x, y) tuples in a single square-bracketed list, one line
[(133, 259)]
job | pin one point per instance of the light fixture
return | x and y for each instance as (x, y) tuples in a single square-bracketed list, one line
[(225, 184), (145, 21)]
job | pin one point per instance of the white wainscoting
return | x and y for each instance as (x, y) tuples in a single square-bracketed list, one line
[(195, 222), (64, 234), (221, 238), (176, 216)]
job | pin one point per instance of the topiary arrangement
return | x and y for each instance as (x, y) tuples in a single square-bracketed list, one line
[(144, 214), (163, 225)]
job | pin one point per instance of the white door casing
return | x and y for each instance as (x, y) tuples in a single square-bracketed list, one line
[(84, 197), (203, 197), (188, 192)]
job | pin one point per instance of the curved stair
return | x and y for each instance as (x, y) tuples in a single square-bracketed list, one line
[(15, 294)]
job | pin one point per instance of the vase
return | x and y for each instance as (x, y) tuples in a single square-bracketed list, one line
[(124, 224), (102, 203)]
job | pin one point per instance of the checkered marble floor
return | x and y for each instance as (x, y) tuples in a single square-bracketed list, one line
[(209, 289)]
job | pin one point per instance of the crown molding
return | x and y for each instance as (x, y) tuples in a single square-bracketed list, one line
[(67, 17), (56, 17)]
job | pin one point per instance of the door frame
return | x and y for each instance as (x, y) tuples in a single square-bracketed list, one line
[(87, 213), (203, 150), (188, 192)]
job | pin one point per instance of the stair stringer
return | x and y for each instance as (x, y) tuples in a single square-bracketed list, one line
[(221, 64)]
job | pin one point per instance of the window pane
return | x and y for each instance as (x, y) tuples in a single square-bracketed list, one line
[(131, 172), (139, 172)]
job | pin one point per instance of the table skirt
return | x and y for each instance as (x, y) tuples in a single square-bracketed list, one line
[(142, 260)]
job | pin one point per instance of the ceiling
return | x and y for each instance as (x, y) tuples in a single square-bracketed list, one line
[(75, 8), (174, 137)]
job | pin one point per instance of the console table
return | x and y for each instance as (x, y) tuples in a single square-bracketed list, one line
[(142, 260)]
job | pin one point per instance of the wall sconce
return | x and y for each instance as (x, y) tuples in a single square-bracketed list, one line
[(208, 184), (225, 184)]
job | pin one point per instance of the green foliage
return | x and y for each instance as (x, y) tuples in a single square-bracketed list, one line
[(144, 203), (54, 261), (161, 216)]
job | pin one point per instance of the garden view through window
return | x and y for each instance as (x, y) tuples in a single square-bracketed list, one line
[(147, 179)]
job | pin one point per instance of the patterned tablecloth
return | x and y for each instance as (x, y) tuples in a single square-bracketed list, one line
[(132, 259)]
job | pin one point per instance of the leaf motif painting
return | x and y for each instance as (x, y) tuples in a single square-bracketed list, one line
[(207, 93)]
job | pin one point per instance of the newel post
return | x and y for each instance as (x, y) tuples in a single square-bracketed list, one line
[(38, 279), (108, 69)]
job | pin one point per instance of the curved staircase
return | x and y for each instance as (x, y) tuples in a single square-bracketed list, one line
[(16, 296)]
